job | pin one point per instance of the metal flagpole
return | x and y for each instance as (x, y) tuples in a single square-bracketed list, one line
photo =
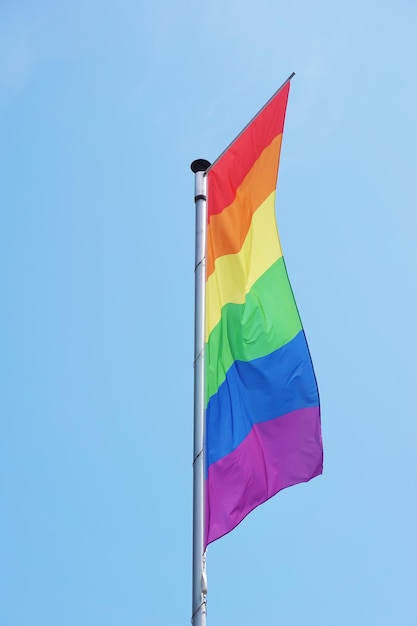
[(199, 606)]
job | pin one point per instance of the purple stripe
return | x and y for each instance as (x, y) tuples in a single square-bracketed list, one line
[(276, 454)]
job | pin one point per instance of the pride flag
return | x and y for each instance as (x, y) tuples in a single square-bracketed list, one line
[(262, 404)]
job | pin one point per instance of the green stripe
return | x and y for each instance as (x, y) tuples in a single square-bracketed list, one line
[(265, 322)]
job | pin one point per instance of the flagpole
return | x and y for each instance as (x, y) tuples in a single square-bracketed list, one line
[(199, 581)]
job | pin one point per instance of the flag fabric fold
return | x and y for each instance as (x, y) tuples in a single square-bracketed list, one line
[(262, 404)]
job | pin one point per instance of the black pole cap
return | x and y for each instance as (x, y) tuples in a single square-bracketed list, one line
[(200, 165)]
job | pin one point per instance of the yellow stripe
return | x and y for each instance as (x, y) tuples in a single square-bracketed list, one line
[(234, 274)]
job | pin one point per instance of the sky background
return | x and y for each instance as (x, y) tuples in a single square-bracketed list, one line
[(103, 106)]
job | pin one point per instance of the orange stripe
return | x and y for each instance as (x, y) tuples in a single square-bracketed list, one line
[(227, 230)]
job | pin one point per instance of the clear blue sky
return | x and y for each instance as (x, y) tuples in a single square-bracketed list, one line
[(103, 106)]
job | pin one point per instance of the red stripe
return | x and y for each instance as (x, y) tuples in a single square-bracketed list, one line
[(225, 176)]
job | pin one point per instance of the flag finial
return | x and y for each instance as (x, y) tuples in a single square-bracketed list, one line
[(200, 165)]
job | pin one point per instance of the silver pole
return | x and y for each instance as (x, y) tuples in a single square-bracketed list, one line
[(199, 604)]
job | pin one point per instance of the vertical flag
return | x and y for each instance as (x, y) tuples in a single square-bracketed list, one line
[(262, 405)]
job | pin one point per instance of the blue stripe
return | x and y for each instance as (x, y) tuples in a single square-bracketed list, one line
[(257, 391)]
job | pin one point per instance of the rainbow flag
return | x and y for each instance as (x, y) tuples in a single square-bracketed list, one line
[(262, 404)]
